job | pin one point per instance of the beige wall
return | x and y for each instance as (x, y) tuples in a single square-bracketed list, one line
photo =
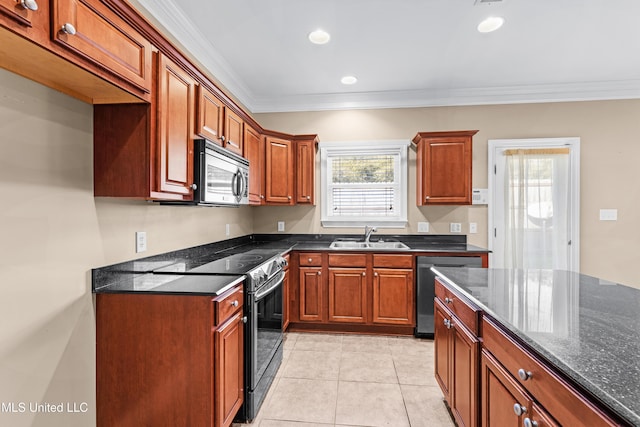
[(610, 158), (52, 232)]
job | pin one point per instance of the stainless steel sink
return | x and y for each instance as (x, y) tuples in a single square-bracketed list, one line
[(367, 245)]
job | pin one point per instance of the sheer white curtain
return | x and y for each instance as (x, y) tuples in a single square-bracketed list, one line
[(536, 207)]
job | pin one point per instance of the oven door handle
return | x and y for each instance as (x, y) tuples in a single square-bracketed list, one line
[(267, 289)]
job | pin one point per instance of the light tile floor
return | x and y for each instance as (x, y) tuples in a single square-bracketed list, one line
[(352, 381)]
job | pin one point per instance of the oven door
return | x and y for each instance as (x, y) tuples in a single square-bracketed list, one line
[(266, 326)]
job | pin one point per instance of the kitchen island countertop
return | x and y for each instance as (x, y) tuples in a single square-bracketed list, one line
[(587, 328)]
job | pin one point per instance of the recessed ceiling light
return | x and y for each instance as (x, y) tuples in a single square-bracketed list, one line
[(348, 80), (319, 37), (490, 24)]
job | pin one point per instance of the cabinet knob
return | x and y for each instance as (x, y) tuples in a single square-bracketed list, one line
[(222, 138), (524, 375), (68, 28), (234, 303), (426, 198), (519, 409), (448, 300), (448, 323), (310, 260), (529, 423), (194, 186), (262, 196), (319, 273), (364, 274), (375, 274), (289, 197), (29, 4), (308, 197), (244, 319)]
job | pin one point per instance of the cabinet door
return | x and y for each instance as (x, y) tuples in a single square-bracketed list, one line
[(22, 13), (210, 114), (254, 152), (393, 296), (305, 172), (464, 375), (347, 295), (279, 171), (311, 294), (444, 162), (442, 344), (175, 129), (501, 396), (92, 31), (233, 125), (228, 370)]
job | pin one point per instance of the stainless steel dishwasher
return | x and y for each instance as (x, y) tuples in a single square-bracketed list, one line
[(425, 287)]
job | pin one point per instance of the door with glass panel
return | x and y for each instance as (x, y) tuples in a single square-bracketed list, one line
[(534, 210)]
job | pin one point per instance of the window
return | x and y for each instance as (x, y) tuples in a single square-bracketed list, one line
[(364, 183)]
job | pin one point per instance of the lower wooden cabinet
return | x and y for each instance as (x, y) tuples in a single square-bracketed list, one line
[(347, 295), (311, 295), (228, 369), (169, 360), (456, 365)]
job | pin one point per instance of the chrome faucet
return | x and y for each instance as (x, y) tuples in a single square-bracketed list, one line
[(367, 232)]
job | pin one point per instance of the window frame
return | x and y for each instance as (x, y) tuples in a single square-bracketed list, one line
[(374, 147)]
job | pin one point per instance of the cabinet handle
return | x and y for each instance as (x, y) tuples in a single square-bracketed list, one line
[(448, 323), (375, 274), (194, 186), (519, 409), (448, 300), (234, 303), (310, 260), (262, 196), (29, 4), (426, 198), (244, 319), (289, 197), (524, 375), (364, 274), (68, 28), (308, 197), (319, 272), (529, 423), (222, 138)]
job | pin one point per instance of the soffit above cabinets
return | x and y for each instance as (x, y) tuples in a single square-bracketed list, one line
[(408, 54)]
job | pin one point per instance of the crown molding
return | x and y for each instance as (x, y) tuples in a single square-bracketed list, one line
[(197, 47)]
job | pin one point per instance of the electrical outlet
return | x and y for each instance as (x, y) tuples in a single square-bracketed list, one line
[(455, 227), (227, 230), (141, 241), (473, 227), (280, 225), (423, 227)]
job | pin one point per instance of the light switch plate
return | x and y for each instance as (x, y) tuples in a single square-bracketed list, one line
[(473, 227), (423, 227), (280, 225), (141, 241), (227, 230), (608, 214)]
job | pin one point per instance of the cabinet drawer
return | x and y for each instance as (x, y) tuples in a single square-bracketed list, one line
[(227, 304), (560, 399), (399, 261), (310, 259), (347, 260), (467, 314)]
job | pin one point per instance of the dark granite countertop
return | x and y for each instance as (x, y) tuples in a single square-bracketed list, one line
[(175, 284), (588, 328), (122, 276)]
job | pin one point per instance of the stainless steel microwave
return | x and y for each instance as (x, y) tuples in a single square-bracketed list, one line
[(222, 177)]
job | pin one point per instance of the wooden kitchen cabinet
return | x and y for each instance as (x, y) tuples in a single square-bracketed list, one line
[(229, 369), (169, 359), (218, 123), (254, 153), (149, 153), (93, 32), (26, 15), (306, 170), (279, 172), (457, 348), (393, 289), (348, 295), (311, 293), (444, 167)]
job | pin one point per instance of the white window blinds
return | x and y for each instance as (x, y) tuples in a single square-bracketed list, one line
[(364, 183)]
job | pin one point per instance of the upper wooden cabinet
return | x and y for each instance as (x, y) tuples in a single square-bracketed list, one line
[(306, 170), (254, 152), (217, 123), (26, 13), (94, 32), (146, 151), (175, 111), (443, 167), (279, 177)]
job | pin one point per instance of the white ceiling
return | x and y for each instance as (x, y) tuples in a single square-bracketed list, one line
[(409, 53)]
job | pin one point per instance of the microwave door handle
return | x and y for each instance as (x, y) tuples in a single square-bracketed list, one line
[(233, 184), (243, 184)]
